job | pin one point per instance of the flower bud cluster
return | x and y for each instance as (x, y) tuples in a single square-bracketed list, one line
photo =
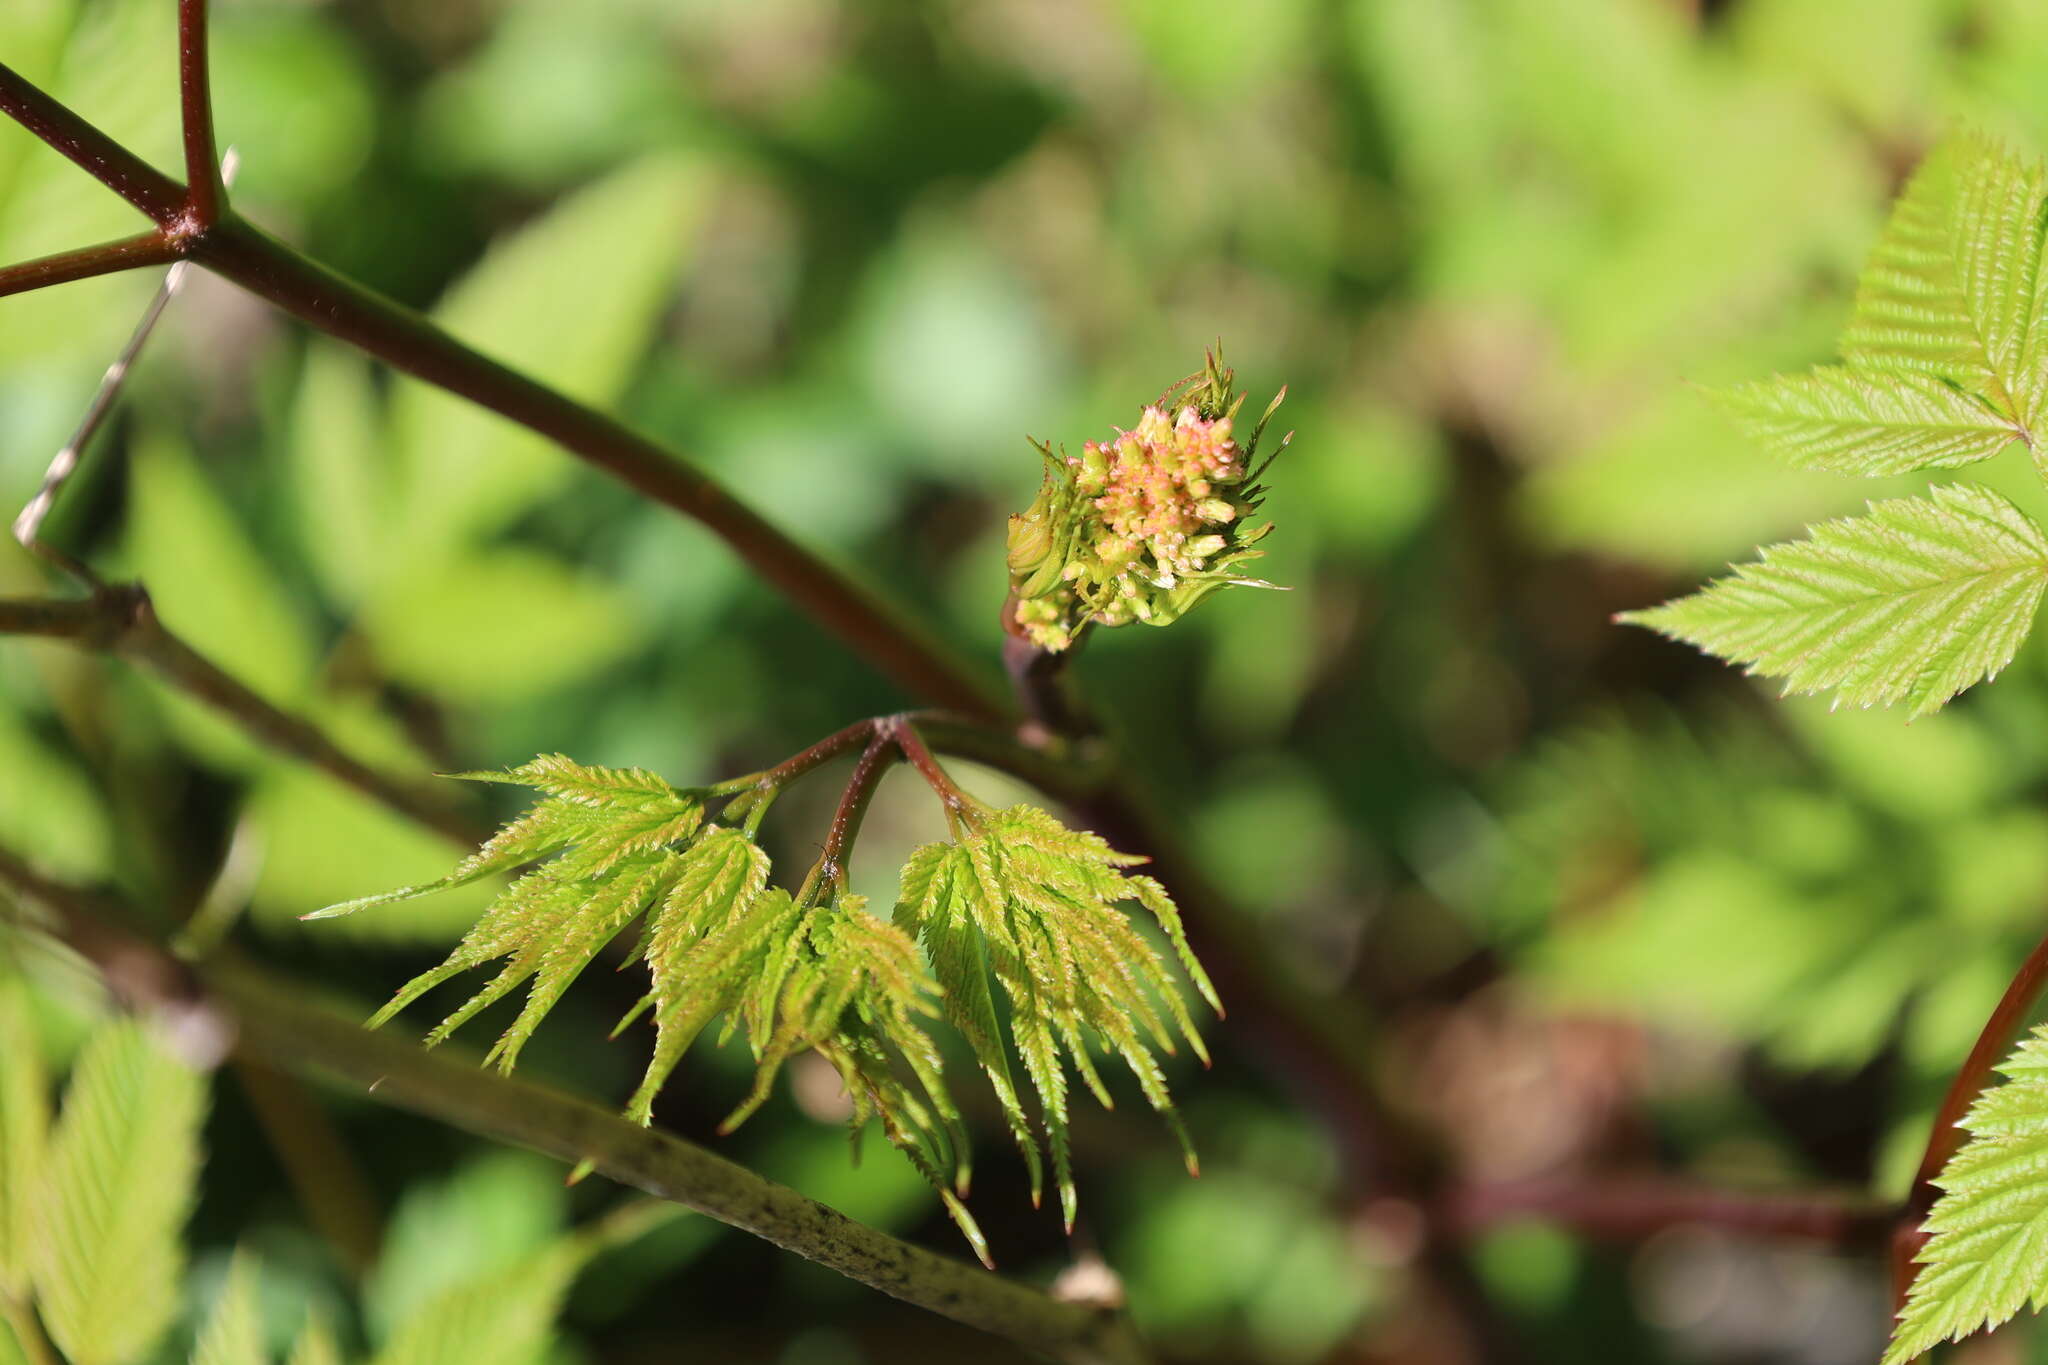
[(1142, 526)]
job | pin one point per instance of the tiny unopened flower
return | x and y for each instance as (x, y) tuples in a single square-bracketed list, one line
[(1142, 526)]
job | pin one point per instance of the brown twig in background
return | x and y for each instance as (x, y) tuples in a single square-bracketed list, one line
[(1630, 1209), (121, 621)]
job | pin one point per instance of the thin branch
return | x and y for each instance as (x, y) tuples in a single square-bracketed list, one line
[(1630, 1210), (1972, 1079), (159, 197), (206, 193), (325, 1177), (790, 769), (28, 526), (1066, 771), (920, 757), (122, 621), (875, 760), (108, 258), (276, 1022)]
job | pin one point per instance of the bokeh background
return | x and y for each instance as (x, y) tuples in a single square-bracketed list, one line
[(1625, 909)]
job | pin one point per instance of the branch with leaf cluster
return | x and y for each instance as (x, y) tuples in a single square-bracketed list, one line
[(1017, 916)]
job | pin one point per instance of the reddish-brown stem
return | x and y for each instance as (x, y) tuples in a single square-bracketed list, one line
[(824, 751), (1629, 1210), (206, 195), (121, 621), (1972, 1079), (920, 757), (875, 760), (105, 160), (1062, 770), (129, 253)]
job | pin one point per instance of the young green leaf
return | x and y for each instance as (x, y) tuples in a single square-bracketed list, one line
[(1988, 1250), (854, 990), (929, 905), (1042, 900), (24, 1131), (1855, 421), (107, 1258), (711, 934), (1953, 289), (1912, 603), (233, 1334), (549, 928), (614, 834), (315, 1344)]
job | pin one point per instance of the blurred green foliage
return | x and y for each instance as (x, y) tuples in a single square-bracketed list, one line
[(1621, 907)]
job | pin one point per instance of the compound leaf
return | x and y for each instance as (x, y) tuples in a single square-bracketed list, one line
[(1912, 603)]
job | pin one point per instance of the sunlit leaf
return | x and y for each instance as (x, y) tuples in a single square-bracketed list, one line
[(1912, 603), (1856, 422), (1953, 288)]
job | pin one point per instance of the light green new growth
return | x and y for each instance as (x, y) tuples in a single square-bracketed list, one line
[(1024, 900), (106, 1257), (1913, 603), (717, 943), (1945, 361), (612, 835), (1988, 1250), (233, 1334), (1019, 906)]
